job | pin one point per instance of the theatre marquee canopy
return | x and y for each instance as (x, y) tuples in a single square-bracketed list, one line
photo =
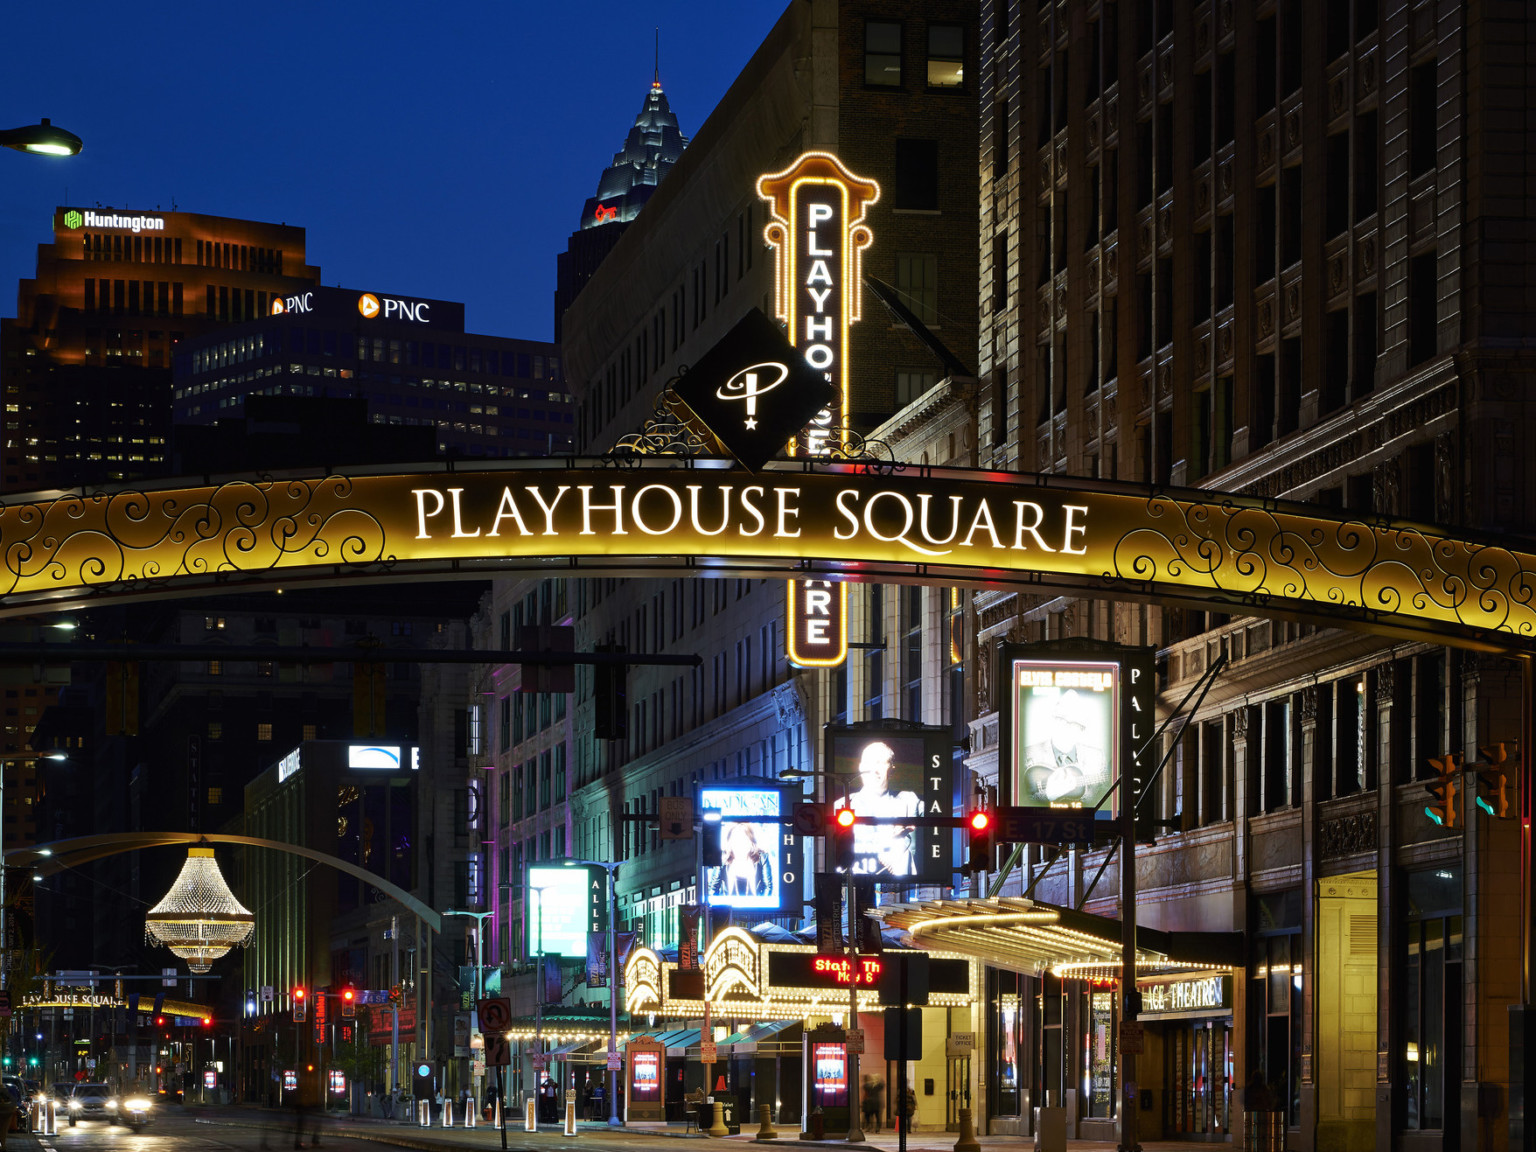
[(849, 521)]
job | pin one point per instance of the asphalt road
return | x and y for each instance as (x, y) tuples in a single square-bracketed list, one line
[(175, 1131)]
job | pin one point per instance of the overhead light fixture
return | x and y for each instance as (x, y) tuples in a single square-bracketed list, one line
[(199, 920), (43, 139)]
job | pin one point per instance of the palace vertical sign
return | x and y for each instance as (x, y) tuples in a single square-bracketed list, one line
[(818, 235)]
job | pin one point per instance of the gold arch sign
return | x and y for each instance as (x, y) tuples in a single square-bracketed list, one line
[(662, 515)]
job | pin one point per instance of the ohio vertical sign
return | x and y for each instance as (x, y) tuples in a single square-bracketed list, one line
[(817, 230)]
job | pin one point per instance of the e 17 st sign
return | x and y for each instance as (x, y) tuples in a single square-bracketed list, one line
[(818, 234)]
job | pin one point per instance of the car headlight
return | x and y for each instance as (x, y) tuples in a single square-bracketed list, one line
[(112, 1103), (74, 1105), (137, 1104)]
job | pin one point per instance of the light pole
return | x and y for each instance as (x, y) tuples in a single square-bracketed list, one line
[(613, 983), (538, 1000), (480, 918)]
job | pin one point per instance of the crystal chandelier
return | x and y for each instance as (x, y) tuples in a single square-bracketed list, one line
[(199, 919)]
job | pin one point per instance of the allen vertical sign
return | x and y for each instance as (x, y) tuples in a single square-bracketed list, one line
[(818, 235)]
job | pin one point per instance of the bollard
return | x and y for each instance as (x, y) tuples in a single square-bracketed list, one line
[(496, 1120), (717, 1125), (469, 1112), (570, 1117), (967, 1141), (765, 1129), (424, 1113), (531, 1117), (447, 1113), (53, 1118)]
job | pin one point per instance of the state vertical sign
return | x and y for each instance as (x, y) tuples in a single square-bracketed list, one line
[(818, 232)]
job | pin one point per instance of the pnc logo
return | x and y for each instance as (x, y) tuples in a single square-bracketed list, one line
[(604, 213), (304, 303), (392, 309), (750, 383), (73, 219)]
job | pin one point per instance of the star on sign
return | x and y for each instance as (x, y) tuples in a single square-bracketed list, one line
[(751, 423)]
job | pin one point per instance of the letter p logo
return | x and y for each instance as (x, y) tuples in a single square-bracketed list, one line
[(750, 383)]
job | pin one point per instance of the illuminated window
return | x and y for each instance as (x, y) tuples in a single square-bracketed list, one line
[(215, 729), (264, 731), (882, 54), (215, 796), (215, 668), (946, 56), (309, 732)]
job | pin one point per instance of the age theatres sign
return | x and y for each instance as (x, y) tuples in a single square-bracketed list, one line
[(818, 235)]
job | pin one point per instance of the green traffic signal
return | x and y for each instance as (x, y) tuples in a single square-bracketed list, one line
[(32, 1060)]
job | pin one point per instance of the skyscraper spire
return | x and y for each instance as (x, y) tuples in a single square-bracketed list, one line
[(651, 148), (656, 78)]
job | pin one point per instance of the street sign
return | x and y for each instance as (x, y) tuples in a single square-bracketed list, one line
[(810, 819), (268, 993), (1045, 825), (615, 1061), (540, 1061), (495, 1018), (1132, 1038), (960, 1044), (855, 1041), (707, 1052), (675, 814)]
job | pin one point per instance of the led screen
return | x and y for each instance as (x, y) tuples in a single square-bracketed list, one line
[(829, 1064), (559, 908), (645, 1076), (1064, 731), (751, 869), (891, 773)]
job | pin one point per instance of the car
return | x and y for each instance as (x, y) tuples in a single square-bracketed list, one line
[(92, 1102)]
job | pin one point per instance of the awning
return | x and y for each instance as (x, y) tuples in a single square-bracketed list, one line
[(1034, 937), (575, 1046), (745, 1042)]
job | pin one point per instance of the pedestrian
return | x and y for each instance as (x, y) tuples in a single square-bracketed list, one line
[(874, 1091), (1256, 1096)]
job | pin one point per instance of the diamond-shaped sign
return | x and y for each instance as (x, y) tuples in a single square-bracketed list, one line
[(754, 391)]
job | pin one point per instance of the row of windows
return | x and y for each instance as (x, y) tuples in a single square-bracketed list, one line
[(134, 297), (532, 787), (138, 249), (238, 257), (945, 64)]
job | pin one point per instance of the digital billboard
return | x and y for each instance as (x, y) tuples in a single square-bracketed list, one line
[(890, 773), (1064, 730), (759, 857), (564, 905)]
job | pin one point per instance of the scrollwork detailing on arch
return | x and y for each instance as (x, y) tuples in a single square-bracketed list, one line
[(1386, 682), (1347, 835), (1308, 704), (670, 430)]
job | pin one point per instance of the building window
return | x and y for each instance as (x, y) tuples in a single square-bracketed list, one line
[(215, 796), (911, 385), (912, 650), (874, 668), (264, 730), (309, 732), (215, 668), (215, 729), (1274, 999), (917, 175), (946, 56), (917, 281), (213, 623), (1431, 999), (882, 54)]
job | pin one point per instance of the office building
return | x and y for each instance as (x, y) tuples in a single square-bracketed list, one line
[(408, 357), (653, 145), (1256, 248), (85, 365)]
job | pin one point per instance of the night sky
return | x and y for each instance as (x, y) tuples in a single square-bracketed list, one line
[(441, 150)]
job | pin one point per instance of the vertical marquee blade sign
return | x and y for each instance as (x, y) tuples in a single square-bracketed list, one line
[(818, 235)]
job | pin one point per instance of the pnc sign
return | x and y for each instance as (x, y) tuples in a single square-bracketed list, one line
[(303, 302), (393, 308), (818, 234)]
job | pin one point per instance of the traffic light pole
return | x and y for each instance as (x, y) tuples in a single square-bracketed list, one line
[(855, 1132), (1128, 995)]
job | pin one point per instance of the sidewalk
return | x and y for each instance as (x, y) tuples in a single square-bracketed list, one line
[(439, 1139)]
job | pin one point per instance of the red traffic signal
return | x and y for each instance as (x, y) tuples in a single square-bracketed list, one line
[(298, 993), (349, 1001), (978, 827), (207, 1020), (159, 1021), (845, 818)]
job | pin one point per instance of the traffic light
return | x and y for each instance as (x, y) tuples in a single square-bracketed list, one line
[(7, 1061), (1493, 782), (159, 1021), (1443, 789), (207, 1021), (610, 696), (843, 824), (349, 1001), (32, 1061), (298, 1006), (978, 831)]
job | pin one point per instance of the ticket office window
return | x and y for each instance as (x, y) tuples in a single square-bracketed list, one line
[(1049, 1020), (1274, 1022), (1098, 1088)]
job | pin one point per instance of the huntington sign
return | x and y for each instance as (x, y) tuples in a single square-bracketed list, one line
[(808, 520)]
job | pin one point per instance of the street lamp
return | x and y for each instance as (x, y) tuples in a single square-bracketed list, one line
[(44, 139), (613, 984), (480, 919)]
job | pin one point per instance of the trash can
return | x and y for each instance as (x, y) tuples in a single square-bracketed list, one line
[(1051, 1129)]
